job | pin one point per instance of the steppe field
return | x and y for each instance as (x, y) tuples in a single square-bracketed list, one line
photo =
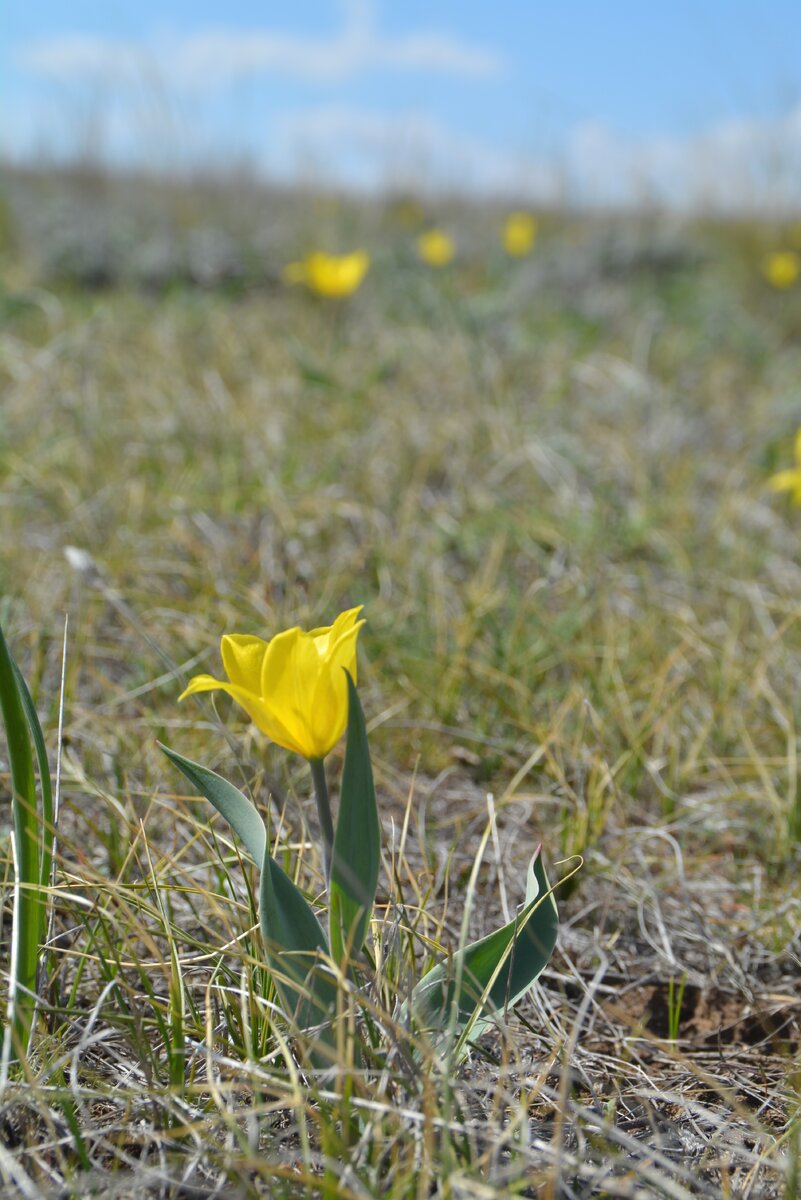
[(546, 478)]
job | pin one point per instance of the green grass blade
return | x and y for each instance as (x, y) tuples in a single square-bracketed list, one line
[(45, 782), (175, 1023), (496, 971), (29, 904), (238, 811), (357, 842)]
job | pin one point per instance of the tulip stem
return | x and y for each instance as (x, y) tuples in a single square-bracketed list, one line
[(323, 811)]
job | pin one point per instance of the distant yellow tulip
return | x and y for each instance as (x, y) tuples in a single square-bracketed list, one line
[(435, 248), (782, 268), (331, 275), (293, 687), (790, 480), (519, 234)]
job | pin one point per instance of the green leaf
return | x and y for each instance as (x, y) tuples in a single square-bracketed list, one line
[(492, 974), (293, 938), (295, 943), (357, 842), (30, 911), (238, 811), (45, 783)]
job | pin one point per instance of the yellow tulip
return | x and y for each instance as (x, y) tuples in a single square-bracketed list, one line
[(519, 234), (790, 480), (782, 268), (331, 275), (435, 248), (293, 687)]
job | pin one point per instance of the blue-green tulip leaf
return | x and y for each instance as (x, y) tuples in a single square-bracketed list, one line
[(494, 972), (293, 938), (230, 803), (295, 946), (357, 841)]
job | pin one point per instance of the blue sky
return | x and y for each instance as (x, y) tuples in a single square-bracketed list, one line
[(595, 97)]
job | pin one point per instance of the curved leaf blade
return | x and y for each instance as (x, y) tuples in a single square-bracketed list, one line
[(357, 842), (45, 782), (29, 901), (230, 803), (293, 938), (295, 945), (496, 971)]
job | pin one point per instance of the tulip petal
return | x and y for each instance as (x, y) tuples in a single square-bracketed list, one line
[(288, 674), (329, 702), (326, 637), (785, 481), (343, 651), (199, 683), (261, 716), (310, 672), (346, 620), (321, 638), (242, 657)]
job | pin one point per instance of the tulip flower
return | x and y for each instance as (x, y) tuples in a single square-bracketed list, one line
[(293, 687), (435, 248), (519, 234), (331, 275), (295, 690), (790, 480), (782, 268)]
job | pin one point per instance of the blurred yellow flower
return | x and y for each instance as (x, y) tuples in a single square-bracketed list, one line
[(332, 275), (519, 234), (790, 480), (782, 268), (293, 687), (435, 248)]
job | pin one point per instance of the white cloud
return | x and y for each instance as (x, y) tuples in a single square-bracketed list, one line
[(736, 165), (411, 149), (217, 57), (72, 56), (749, 163)]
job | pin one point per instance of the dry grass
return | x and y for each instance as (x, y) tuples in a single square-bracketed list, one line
[(546, 483)]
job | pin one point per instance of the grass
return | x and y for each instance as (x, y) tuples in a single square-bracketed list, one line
[(546, 482)]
